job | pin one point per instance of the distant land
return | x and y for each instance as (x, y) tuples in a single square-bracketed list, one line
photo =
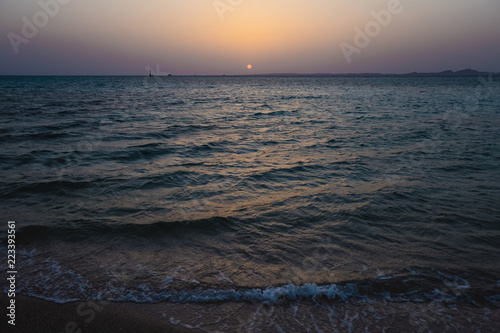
[(449, 73)]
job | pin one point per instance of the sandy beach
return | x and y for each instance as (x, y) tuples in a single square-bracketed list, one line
[(35, 315)]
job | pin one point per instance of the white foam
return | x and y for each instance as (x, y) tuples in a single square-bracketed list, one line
[(267, 295)]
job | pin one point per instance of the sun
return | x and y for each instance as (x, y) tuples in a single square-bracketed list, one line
[(249, 66)]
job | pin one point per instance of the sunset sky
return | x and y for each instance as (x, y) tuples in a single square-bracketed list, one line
[(122, 37)]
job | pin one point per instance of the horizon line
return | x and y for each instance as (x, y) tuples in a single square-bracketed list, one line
[(463, 72)]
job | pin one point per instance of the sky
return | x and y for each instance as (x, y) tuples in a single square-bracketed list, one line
[(215, 37)]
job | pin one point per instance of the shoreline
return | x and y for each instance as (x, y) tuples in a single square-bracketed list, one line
[(37, 315)]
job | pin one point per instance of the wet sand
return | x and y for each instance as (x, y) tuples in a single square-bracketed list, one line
[(34, 315)]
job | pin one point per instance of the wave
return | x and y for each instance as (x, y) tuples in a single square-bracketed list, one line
[(296, 171), (263, 295), (417, 285), (287, 98), (83, 232), (418, 289), (138, 153), (60, 187)]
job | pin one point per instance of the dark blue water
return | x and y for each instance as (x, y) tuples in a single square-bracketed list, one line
[(189, 189)]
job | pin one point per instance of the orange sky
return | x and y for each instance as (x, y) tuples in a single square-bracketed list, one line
[(224, 36)]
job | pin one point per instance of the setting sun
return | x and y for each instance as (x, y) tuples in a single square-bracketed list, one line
[(249, 66)]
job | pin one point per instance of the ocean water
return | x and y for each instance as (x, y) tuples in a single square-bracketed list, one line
[(207, 190)]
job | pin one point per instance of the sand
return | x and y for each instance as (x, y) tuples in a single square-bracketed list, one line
[(35, 315)]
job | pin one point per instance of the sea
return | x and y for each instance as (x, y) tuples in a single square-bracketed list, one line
[(317, 204)]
